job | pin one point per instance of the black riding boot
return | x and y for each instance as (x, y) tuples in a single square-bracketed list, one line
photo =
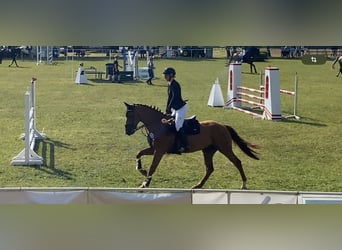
[(182, 138)]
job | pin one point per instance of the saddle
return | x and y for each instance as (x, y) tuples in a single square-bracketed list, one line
[(191, 125)]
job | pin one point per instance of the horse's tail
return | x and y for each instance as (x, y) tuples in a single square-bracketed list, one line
[(245, 146)]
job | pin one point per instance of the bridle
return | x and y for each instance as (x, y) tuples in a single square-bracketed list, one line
[(148, 134), (129, 113)]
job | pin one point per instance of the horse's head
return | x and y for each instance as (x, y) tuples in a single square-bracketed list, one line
[(131, 119), (150, 117)]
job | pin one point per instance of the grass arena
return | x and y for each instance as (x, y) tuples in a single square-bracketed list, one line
[(87, 145)]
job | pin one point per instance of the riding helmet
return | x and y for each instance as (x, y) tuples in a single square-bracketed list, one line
[(169, 71)]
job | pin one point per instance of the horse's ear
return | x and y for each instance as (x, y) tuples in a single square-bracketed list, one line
[(127, 105)]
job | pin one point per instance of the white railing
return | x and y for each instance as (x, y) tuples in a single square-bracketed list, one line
[(102, 195)]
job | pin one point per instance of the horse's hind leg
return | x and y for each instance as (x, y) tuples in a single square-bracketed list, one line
[(228, 152), (146, 151), (208, 154)]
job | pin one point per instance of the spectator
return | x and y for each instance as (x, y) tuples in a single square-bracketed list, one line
[(268, 52), (142, 51), (228, 52), (13, 54), (150, 66), (81, 77), (116, 71)]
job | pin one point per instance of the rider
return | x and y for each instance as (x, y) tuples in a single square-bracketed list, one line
[(177, 107)]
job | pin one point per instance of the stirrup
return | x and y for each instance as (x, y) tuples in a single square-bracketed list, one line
[(183, 149)]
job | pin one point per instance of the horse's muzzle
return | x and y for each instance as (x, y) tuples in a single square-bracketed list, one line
[(129, 130)]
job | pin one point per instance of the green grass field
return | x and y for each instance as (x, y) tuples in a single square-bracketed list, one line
[(87, 144)]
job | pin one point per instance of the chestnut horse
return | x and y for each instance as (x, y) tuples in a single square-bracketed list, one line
[(212, 137)]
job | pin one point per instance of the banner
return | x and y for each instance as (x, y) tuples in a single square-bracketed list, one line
[(160, 196), (117, 197), (319, 199), (210, 198), (262, 198), (43, 197)]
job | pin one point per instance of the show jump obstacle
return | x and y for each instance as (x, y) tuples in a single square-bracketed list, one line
[(266, 99), (27, 156)]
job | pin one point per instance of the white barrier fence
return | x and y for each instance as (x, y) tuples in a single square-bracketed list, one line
[(293, 93), (268, 99), (27, 156), (69, 195)]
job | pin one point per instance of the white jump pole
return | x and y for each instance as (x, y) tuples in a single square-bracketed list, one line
[(295, 97), (272, 94), (27, 156), (234, 82), (38, 135)]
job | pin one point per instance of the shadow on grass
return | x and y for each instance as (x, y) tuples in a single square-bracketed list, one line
[(19, 67), (86, 84), (132, 82), (304, 121), (99, 80), (92, 59), (48, 154), (125, 83), (250, 73)]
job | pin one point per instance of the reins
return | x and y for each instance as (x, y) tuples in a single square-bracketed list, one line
[(145, 132), (148, 134), (140, 127)]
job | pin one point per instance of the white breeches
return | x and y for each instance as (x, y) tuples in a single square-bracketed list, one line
[(180, 115)]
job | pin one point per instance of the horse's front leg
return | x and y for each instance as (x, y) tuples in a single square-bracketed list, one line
[(155, 162), (146, 151)]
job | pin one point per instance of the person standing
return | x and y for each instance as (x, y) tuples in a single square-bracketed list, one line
[(14, 54), (2, 53), (150, 68), (81, 77), (116, 71), (339, 60), (177, 107)]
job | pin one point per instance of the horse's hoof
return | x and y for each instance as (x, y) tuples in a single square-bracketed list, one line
[(145, 184), (196, 187)]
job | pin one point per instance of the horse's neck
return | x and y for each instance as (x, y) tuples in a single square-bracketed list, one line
[(151, 118)]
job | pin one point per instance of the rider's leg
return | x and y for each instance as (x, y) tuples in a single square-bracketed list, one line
[(181, 136)]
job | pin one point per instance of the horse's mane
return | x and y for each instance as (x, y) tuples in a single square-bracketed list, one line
[(151, 107)]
